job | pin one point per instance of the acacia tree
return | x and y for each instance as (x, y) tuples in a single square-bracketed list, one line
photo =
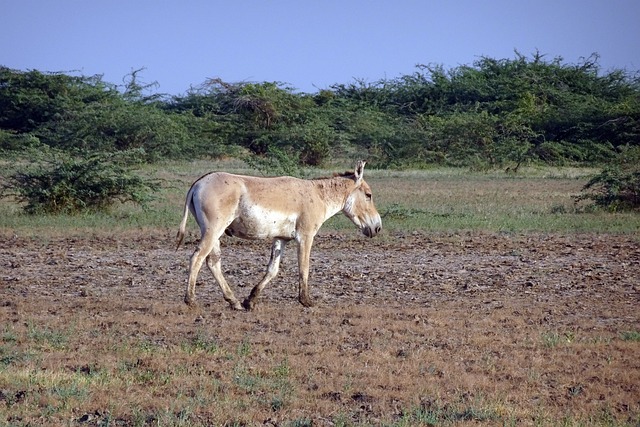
[(32, 98), (56, 182), (617, 187), (492, 113)]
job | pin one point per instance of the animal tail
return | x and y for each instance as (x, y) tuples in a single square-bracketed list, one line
[(185, 216)]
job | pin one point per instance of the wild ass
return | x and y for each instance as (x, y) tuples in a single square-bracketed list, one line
[(278, 208)]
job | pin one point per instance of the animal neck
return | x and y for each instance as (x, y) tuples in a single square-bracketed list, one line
[(334, 191)]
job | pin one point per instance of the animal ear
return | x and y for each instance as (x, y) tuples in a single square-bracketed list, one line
[(359, 170)]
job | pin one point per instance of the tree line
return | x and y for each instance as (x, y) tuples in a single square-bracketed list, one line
[(494, 113)]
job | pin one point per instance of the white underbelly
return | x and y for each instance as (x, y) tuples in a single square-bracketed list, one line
[(256, 222)]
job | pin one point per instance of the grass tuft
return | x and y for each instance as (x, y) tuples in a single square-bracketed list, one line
[(633, 336)]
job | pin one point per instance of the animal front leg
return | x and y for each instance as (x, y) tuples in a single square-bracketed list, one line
[(272, 270), (304, 253)]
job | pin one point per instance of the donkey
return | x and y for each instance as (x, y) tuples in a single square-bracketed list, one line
[(278, 208)]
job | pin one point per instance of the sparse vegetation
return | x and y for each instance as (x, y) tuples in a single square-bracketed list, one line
[(56, 183), (490, 298), (617, 187), (275, 371), (439, 199), (493, 114), (630, 335), (446, 319)]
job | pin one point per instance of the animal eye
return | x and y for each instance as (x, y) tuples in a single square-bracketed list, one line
[(368, 196)]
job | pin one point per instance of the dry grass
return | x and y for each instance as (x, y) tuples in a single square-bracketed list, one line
[(439, 200), (461, 324), (424, 330), (346, 364)]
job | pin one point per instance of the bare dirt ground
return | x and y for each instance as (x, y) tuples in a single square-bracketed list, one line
[(475, 327)]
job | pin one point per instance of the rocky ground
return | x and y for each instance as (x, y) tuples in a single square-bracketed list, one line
[(523, 319)]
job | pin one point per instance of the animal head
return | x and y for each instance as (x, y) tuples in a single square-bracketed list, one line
[(359, 206)]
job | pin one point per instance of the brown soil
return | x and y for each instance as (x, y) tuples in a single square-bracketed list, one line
[(526, 327)]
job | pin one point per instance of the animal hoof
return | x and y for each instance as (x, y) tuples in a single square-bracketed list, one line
[(237, 306), (306, 302), (190, 302), (248, 304)]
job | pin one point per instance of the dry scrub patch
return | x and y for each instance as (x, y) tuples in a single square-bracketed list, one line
[(410, 329)]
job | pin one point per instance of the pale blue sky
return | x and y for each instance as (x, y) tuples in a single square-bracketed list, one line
[(307, 44)]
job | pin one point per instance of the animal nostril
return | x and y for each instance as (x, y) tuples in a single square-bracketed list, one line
[(378, 228)]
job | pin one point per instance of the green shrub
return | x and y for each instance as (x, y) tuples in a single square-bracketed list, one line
[(617, 187), (11, 142), (64, 184), (275, 162), (494, 113), (118, 127)]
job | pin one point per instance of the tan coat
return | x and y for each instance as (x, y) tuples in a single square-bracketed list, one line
[(279, 208)]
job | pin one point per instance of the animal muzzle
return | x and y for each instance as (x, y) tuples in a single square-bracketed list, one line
[(371, 230)]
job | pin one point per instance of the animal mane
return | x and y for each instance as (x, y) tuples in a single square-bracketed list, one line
[(347, 174)]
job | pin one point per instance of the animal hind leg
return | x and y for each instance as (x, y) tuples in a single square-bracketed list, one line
[(272, 270), (214, 264), (195, 264)]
